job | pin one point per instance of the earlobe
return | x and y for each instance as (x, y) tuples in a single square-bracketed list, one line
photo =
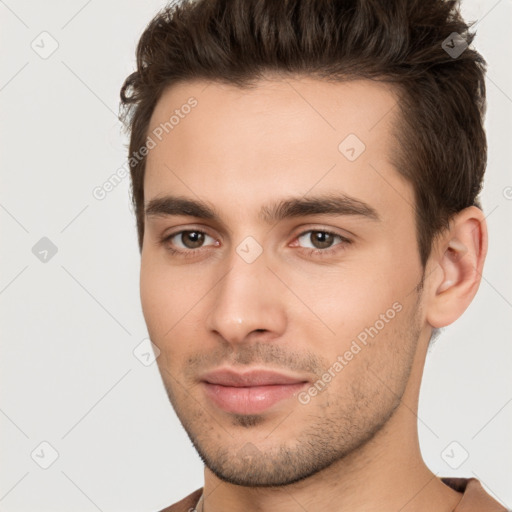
[(459, 259)]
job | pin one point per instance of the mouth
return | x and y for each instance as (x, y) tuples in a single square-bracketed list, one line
[(251, 392)]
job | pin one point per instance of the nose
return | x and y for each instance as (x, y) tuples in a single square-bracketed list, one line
[(248, 300)]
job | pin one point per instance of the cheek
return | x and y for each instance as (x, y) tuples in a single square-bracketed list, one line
[(158, 298), (349, 298), (171, 300), (370, 359)]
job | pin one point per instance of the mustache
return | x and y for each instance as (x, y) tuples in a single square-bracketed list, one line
[(264, 353)]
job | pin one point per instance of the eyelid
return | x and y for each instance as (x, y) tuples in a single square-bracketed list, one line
[(181, 229), (326, 229)]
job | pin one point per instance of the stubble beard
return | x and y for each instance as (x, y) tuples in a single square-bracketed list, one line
[(333, 430)]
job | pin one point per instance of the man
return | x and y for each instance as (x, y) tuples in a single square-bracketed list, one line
[(305, 178)]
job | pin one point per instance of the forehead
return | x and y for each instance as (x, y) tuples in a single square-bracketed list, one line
[(278, 138)]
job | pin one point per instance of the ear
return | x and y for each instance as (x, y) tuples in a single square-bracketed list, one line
[(455, 267)]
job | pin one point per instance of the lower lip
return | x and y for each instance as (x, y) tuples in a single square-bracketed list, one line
[(250, 400)]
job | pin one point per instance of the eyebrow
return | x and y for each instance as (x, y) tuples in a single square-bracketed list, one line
[(328, 204)]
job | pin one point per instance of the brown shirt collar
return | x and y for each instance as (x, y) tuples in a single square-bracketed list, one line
[(474, 499)]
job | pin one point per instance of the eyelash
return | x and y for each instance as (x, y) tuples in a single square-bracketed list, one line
[(310, 252)]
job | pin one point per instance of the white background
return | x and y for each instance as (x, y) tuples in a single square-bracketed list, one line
[(69, 326)]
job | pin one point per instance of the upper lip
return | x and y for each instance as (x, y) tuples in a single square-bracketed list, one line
[(231, 378)]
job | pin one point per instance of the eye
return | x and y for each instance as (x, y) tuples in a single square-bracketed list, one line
[(187, 241), (322, 241)]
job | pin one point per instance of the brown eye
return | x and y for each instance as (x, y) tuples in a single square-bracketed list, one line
[(192, 239), (319, 239), (187, 240)]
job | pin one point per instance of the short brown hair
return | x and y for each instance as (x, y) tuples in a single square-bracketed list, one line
[(442, 148)]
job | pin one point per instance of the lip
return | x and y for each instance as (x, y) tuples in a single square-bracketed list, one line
[(251, 392), (227, 377)]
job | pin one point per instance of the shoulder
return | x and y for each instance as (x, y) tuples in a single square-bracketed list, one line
[(187, 504)]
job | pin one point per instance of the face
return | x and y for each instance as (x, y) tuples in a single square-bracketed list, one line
[(302, 261)]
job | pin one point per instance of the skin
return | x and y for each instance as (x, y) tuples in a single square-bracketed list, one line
[(354, 446)]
